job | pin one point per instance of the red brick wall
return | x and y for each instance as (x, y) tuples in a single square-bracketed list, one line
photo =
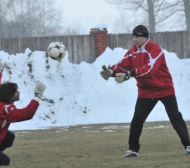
[(101, 40)]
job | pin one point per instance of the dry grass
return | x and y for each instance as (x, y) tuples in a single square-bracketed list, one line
[(97, 146)]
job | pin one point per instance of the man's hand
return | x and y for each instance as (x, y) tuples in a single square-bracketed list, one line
[(122, 77), (106, 73), (39, 89)]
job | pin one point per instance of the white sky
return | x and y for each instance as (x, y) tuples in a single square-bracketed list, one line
[(88, 13)]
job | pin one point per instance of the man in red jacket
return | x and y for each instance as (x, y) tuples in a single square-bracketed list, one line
[(145, 61), (9, 114)]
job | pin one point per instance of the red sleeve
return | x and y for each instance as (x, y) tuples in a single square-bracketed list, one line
[(124, 64), (16, 115), (156, 56)]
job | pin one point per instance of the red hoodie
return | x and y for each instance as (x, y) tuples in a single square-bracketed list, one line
[(151, 72), (10, 114)]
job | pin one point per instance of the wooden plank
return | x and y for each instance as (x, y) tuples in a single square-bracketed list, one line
[(92, 48), (86, 49)]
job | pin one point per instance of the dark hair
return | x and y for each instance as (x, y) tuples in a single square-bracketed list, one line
[(141, 31), (7, 91)]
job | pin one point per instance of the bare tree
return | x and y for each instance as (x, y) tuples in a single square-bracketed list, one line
[(144, 6), (151, 16), (4, 10), (187, 13), (50, 20), (157, 11), (21, 18)]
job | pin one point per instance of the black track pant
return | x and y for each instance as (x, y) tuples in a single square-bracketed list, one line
[(7, 142), (143, 108)]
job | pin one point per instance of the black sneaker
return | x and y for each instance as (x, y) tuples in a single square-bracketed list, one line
[(131, 153), (188, 150)]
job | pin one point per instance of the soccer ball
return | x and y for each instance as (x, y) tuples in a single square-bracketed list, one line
[(56, 50)]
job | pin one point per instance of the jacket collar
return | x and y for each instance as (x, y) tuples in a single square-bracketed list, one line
[(142, 48)]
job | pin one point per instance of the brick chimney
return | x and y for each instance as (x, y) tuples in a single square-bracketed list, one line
[(100, 40)]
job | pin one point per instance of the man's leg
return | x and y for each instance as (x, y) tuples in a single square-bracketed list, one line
[(8, 141), (176, 119), (142, 110)]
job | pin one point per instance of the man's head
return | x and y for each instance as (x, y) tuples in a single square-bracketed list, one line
[(140, 35), (9, 92)]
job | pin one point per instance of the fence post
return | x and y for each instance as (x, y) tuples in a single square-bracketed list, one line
[(101, 40)]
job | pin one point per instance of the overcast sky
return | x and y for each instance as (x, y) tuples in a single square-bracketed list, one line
[(86, 14)]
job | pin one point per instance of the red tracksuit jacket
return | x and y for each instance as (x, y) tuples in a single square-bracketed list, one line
[(10, 114), (151, 72)]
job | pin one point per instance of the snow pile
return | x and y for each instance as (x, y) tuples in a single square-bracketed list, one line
[(76, 93)]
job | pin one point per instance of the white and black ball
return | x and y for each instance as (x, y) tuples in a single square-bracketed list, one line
[(56, 50)]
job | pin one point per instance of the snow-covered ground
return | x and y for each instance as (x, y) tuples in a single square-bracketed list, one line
[(77, 94)]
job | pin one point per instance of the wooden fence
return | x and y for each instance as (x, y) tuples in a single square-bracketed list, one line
[(177, 42), (82, 47)]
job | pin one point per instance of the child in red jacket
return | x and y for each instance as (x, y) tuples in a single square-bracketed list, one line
[(9, 114)]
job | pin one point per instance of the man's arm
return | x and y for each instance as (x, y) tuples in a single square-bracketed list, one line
[(120, 67), (156, 57)]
